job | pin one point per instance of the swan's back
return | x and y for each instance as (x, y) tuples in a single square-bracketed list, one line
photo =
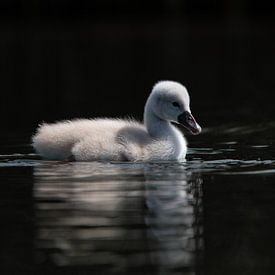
[(97, 136)]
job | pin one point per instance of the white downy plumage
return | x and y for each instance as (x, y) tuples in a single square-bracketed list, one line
[(124, 140)]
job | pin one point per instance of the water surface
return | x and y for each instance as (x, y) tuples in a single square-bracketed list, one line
[(213, 214)]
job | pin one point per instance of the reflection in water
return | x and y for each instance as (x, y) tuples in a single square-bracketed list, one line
[(122, 218), (119, 217)]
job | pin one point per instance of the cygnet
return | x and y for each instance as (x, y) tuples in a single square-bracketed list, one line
[(102, 139)]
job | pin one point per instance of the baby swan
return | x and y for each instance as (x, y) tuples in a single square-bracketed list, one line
[(124, 140)]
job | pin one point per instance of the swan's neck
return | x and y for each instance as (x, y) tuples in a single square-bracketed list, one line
[(156, 126), (161, 129)]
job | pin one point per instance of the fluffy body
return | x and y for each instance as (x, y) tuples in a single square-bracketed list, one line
[(105, 139), (121, 140)]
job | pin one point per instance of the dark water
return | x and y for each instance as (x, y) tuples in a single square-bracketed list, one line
[(213, 214)]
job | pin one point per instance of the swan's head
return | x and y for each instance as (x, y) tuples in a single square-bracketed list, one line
[(170, 101)]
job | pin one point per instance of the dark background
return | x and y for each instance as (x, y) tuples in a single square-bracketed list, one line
[(63, 59)]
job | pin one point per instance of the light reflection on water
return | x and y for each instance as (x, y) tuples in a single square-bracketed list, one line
[(212, 214), (126, 216)]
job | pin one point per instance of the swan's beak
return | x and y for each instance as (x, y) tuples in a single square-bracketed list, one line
[(188, 121)]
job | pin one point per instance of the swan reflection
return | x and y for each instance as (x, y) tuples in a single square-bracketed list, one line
[(119, 217)]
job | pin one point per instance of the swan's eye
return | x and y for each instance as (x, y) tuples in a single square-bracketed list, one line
[(176, 104)]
